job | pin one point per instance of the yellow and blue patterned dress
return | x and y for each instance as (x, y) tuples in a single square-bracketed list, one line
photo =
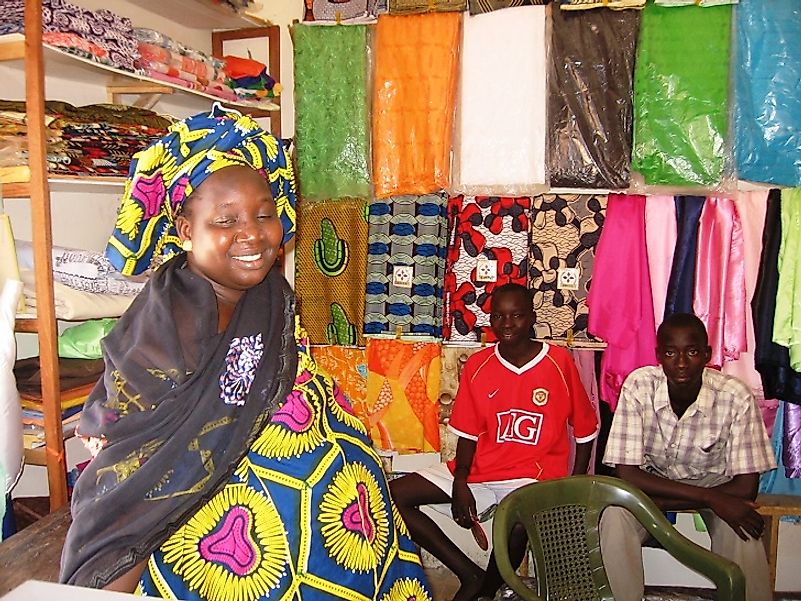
[(306, 515)]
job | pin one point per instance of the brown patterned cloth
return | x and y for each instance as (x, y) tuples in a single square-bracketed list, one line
[(411, 7), (565, 230), (478, 7)]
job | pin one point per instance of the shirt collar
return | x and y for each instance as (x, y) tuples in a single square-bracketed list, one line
[(702, 404)]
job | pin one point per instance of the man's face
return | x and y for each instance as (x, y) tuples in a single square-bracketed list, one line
[(683, 352), (511, 317)]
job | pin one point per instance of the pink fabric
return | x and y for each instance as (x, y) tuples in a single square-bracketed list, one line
[(719, 299), (660, 235), (622, 309), (585, 364), (751, 208)]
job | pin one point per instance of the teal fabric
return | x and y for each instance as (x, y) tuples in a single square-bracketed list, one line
[(83, 340), (331, 111), (681, 95)]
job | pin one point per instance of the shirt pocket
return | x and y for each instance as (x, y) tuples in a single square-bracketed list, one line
[(710, 456)]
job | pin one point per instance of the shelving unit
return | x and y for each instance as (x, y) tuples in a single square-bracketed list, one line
[(29, 53)]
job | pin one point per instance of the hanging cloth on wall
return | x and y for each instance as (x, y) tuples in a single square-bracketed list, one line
[(751, 208), (702, 3), (767, 113), (681, 95), (339, 11), (660, 233), (347, 366), (588, 4), (488, 239), (564, 234), (414, 83), (486, 6), (787, 319), (500, 123), (402, 394), (627, 327), (331, 252), (589, 98), (452, 359), (405, 265), (331, 111), (411, 7), (786, 440), (682, 274), (772, 360), (719, 297)]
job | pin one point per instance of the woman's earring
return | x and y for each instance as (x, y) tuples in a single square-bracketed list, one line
[(186, 245)]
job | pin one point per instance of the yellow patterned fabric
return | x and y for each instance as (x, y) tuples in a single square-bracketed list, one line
[(331, 267), (402, 394), (348, 367), (306, 515), (163, 175)]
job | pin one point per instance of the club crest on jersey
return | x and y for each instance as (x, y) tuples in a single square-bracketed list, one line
[(539, 397)]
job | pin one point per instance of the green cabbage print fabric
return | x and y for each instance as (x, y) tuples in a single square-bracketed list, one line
[(681, 95), (331, 111)]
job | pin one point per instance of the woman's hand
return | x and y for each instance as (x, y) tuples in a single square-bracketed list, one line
[(463, 504)]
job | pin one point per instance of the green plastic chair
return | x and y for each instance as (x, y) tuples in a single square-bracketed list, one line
[(562, 518)]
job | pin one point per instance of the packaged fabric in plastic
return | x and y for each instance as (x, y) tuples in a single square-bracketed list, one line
[(330, 266), (588, 4), (590, 98), (82, 341), (478, 7), (500, 125), (414, 83), (695, 2), (339, 11), (331, 111), (767, 113), (681, 96)]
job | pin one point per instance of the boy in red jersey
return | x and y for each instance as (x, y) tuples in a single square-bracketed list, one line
[(511, 414)]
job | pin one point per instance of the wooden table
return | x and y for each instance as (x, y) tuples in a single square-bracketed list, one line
[(773, 508), (34, 553)]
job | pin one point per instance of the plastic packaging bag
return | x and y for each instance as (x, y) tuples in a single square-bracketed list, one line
[(331, 111), (767, 112), (590, 98), (83, 340), (681, 95)]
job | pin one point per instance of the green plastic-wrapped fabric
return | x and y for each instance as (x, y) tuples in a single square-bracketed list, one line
[(681, 95), (331, 114), (82, 341)]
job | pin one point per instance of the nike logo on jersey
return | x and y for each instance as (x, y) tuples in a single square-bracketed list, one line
[(492, 394)]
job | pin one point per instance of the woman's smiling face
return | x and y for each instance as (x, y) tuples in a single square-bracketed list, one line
[(233, 224)]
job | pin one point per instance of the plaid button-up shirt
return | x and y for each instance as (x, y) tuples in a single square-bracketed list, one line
[(722, 433)]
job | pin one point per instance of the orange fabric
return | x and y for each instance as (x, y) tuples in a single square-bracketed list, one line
[(402, 394), (238, 66), (413, 101), (348, 367)]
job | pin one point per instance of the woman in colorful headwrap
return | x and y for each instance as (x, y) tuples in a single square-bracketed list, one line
[(230, 466)]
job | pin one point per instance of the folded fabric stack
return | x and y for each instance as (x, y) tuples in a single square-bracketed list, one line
[(163, 58), (99, 35), (83, 270), (96, 140), (249, 79)]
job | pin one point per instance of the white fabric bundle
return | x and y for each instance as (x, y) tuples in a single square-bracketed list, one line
[(11, 453), (75, 304), (500, 123)]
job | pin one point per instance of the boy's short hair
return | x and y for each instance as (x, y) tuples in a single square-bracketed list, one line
[(682, 320), (512, 288)]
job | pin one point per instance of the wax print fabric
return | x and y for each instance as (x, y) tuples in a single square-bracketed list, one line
[(407, 7), (565, 229), (414, 82), (767, 111), (499, 145), (347, 365), (488, 239), (402, 394), (330, 265), (406, 233), (341, 10), (331, 112), (452, 359), (681, 95), (589, 98)]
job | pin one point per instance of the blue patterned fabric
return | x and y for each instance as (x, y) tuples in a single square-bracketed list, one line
[(767, 116), (406, 231)]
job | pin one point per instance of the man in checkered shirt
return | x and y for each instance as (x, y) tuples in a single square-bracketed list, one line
[(691, 438)]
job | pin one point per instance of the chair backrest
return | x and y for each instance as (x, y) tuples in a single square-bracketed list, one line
[(562, 517)]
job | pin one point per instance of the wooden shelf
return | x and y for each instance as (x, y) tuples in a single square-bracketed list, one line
[(67, 183), (26, 324), (65, 65), (202, 14)]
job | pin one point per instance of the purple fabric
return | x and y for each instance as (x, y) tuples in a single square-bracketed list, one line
[(102, 27), (791, 449)]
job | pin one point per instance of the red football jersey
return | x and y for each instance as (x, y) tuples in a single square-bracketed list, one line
[(519, 415)]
